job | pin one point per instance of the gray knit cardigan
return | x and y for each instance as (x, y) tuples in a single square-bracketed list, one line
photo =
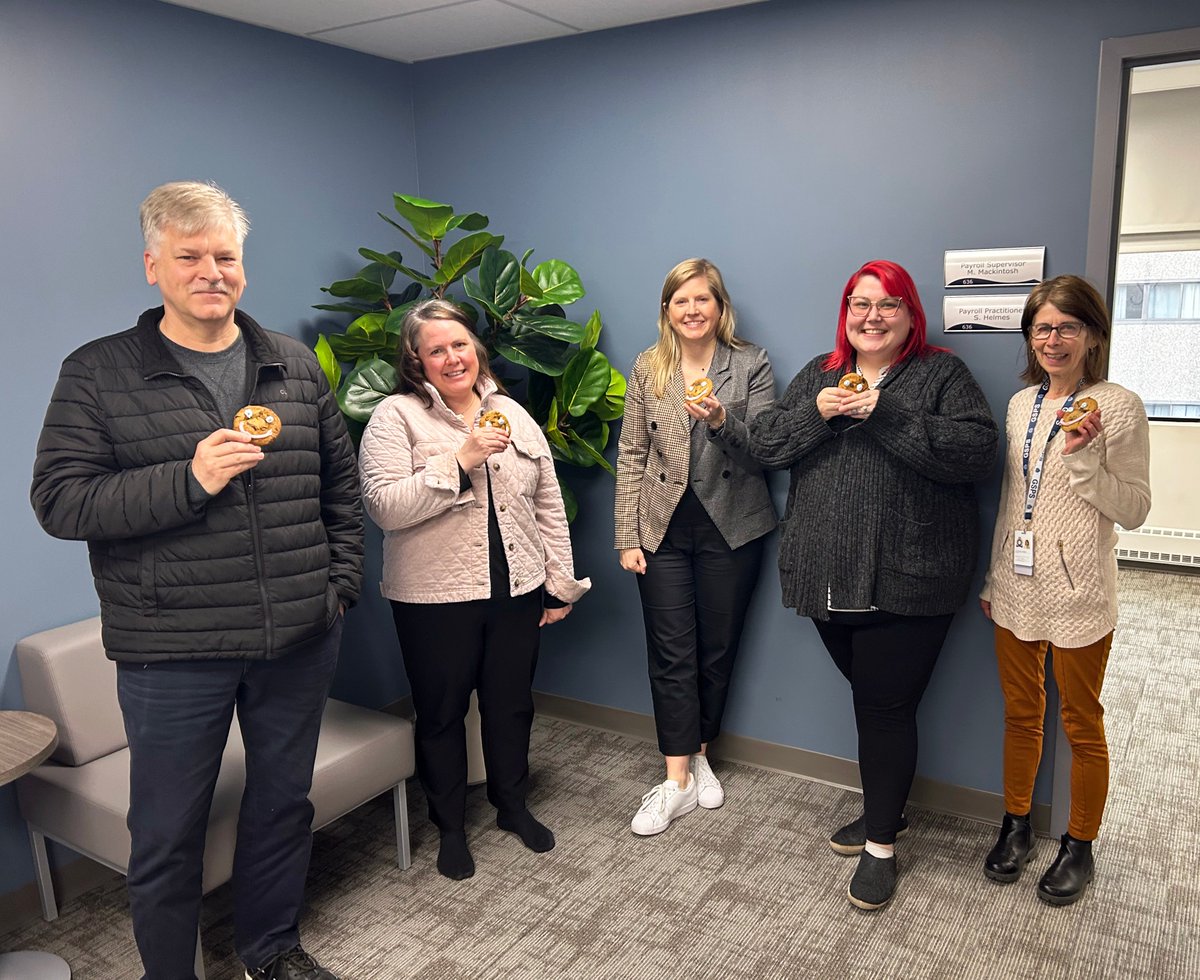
[(881, 511)]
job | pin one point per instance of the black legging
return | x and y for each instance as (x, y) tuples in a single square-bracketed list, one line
[(888, 660)]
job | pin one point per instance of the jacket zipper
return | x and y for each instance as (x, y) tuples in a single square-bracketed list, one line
[(1063, 558), (260, 566)]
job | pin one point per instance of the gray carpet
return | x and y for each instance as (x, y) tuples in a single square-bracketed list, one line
[(751, 890)]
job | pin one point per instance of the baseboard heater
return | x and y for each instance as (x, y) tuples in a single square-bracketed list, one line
[(1160, 546)]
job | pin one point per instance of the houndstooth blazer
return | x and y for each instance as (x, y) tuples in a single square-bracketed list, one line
[(661, 452)]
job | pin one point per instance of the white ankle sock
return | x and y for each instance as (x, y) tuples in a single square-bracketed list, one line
[(880, 850)]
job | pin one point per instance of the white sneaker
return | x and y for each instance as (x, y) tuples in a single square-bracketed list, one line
[(709, 794), (662, 805)]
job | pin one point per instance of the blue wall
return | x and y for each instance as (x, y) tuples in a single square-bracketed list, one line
[(103, 100), (787, 141)]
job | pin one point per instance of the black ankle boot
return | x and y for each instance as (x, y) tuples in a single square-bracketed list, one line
[(1065, 880), (1013, 848)]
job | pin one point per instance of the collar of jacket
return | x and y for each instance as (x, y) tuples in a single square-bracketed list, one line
[(157, 359), (486, 387)]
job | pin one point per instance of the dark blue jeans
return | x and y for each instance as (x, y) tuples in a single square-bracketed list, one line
[(177, 718)]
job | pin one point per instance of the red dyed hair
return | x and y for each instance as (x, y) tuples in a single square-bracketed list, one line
[(896, 282)]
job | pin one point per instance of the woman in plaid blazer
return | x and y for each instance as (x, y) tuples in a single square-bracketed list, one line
[(692, 510)]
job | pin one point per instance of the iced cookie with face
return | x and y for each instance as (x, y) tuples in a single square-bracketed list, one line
[(853, 382), (698, 390), (1073, 419), (494, 420), (261, 424)]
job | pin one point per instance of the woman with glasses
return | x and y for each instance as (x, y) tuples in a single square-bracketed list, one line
[(880, 535), (691, 514), (1053, 576)]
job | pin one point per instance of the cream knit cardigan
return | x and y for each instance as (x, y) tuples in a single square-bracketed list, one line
[(1071, 598)]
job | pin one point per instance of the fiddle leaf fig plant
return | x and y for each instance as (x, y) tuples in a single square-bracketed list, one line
[(519, 313)]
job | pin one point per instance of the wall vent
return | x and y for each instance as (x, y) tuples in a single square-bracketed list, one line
[(1160, 546)]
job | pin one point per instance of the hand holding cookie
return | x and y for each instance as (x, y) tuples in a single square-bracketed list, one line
[(221, 456), (1083, 429), (487, 437)]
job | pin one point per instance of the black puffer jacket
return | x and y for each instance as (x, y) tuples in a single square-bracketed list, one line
[(256, 571)]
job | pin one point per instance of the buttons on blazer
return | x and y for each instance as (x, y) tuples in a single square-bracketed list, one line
[(654, 426), (662, 477)]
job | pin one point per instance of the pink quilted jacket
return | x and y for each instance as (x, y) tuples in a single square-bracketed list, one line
[(435, 546)]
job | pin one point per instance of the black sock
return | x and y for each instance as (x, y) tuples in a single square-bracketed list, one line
[(454, 858), (536, 836)]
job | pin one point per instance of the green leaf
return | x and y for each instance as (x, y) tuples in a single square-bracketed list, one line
[(370, 282), (396, 318), (587, 437), (430, 220), (558, 281), (570, 503), (530, 288), (471, 221), (391, 259), (525, 257), (343, 308), (369, 325), (612, 406), (535, 351), (366, 386), (499, 287), (348, 348), (464, 255), (591, 331), (585, 381), (411, 292), (407, 234), (588, 451), (328, 362), (551, 326)]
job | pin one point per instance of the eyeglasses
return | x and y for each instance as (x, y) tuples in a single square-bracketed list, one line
[(1066, 331), (860, 306)]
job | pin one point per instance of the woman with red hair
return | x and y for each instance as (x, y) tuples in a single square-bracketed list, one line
[(881, 532)]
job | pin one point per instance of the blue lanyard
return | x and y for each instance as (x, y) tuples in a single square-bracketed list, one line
[(1035, 484)]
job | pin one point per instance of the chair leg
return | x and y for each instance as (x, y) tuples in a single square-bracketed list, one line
[(400, 805), (199, 967), (41, 870)]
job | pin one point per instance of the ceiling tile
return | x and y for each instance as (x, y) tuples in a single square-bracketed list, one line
[(471, 26), (591, 16), (306, 16)]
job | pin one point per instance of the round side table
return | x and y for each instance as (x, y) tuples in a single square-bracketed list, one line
[(26, 740)]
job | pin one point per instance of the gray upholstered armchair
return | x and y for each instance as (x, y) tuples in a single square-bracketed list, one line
[(80, 797)]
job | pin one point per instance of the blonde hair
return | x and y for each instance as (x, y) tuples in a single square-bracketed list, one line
[(190, 207), (664, 356)]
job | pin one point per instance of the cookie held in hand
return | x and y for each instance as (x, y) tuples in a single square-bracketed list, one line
[(1082, 408), (853, 382), (698, 390), (261, 424), (494, 420)]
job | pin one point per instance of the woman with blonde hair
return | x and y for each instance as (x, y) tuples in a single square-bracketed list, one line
[(691, 514)]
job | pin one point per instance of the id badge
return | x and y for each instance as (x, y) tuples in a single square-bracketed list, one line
[(1023, 552)]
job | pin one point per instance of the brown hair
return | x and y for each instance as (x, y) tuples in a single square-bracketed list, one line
[(410, 375), (1076, 297)]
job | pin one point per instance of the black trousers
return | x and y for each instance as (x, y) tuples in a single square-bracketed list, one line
[(694, 598), (450, 649), (177, 717), (888, 660)]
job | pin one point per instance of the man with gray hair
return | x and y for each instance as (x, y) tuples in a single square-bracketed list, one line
[(204, 461)]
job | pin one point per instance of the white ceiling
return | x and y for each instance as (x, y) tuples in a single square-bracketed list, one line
[(416, 30)]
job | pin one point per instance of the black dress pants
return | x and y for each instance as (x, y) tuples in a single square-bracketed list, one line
[(450, 649), (694, 598), (888, 660)]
